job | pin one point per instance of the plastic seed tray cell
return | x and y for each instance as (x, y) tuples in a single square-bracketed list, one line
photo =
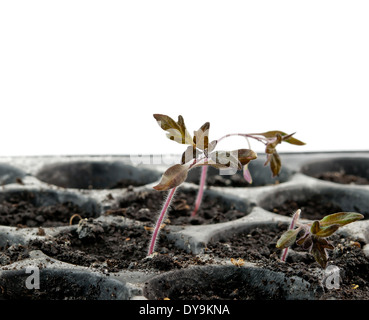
[(80, 227)]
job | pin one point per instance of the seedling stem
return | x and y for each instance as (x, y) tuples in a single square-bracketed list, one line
[(160, 219), (204, 170)]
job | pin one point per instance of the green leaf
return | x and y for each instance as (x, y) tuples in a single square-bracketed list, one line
[(327, 231), (323, 232), (287, 238), (340, 218), (176, 130), (172, 177), (315, 227), (289, 138)]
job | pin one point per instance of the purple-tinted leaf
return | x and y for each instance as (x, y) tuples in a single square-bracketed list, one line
[(210, 162), (246, 174), (275, 164), (172, 177), (225, 159), (201, 137), (324, 243), (272, 144), (245, 155), (288, 138), (301, 240), (340, 218), (231, 159), (306, 243), (176, 130), (190, 154), (319, 253)]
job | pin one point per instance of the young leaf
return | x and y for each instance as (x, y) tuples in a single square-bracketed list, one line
[(272, 156), (245, 155), (272, 144), (225, 159), (315, 227), (287, 238), (323, 232), (246, 174), (176, 130), (231, 159), (172, 177), (327, 231), (319, 253), (288, 138), (201, 137), (212, 145), (305, 242), (190, 153), (325, 244), (275, 164), (340, 218)]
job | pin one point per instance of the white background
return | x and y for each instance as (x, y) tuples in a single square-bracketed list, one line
[(85, 77)]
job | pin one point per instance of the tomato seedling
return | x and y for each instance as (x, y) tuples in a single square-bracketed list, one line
[(200, 152), (315, 234)]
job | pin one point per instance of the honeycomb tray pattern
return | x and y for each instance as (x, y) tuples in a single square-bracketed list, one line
[(88, 182)]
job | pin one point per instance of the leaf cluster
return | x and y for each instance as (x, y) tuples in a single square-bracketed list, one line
[(273, 138), (315, 234), (200, 152)]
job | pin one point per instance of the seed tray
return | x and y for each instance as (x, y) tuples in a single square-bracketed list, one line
[(99, 186)]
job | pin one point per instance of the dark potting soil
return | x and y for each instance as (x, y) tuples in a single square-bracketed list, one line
[(235, 181), (20, 211), (314, 208), (125, 183), (145, 206), (114, 248), (13, 253), (342, 177), (258, 246)]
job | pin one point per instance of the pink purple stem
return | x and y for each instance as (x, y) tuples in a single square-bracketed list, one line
[(292, 226), (200, 193), (160, 220)]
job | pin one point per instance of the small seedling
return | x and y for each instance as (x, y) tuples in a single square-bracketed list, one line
[(315, 234), (238, 262), (200, 152), (74, 216)]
